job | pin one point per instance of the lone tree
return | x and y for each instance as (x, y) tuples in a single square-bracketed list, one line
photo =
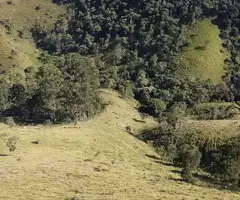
[(190, 157)]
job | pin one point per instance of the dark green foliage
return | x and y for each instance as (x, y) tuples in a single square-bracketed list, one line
[(70, 91), (214, 111), (81, 78), (4, 93), (224, 162), (50, 84), (62, 90), (190, 158), (156, 106), (131, 45), (134, 44), (17, 94)]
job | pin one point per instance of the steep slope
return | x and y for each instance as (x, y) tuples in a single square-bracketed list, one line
[(204, 57), (15, 54), (96, 159), (17, 50)]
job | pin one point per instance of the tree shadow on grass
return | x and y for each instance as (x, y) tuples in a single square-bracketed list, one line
[(202, 180), (3, 155), (211, 182), (162, 162), (152, 156), (207, 181), (169, 164)]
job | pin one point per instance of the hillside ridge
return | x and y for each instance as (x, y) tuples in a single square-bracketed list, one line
[(96, 159)]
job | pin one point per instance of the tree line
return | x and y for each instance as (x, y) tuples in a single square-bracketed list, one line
[(61, 90), (137, 41), (133, 45)]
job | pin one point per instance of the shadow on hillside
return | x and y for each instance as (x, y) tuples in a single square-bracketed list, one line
[(3, 155), (202, 180), (152, 156), (139, 120), (207, 181), (160, 161), (149, 135), (169, 164), (210, 182)]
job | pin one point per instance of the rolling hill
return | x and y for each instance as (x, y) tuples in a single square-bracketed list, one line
[(99, 159), (95, 159)]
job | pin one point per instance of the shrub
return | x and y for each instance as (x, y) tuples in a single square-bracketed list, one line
[(156, 106), (11, 143), (214, 111), (127, 91), (10, 121), (190, 158), (172, 152), (190, 148), (225, 163), (48, 122)]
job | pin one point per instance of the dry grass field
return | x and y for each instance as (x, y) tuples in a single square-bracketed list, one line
[(94, 160), (220, 127)]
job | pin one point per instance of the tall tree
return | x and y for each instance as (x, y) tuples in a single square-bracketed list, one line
[(81, 86), (50, 81)]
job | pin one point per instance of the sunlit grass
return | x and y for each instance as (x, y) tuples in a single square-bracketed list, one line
[(204, 57)]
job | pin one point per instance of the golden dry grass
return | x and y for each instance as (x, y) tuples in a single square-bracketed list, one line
[(22, 14), (96, 159), (16, 52), (220, 128)]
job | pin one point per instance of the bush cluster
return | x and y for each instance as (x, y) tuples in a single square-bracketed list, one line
[(214, 111), (124, 45), (62, 90), (191, 149), (135, 42)]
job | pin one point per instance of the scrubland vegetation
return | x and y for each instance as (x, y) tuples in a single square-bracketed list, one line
[(179, 59), (95, 160), (161, 53)]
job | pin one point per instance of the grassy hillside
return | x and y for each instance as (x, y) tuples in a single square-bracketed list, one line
[(17, 49), (96, 159), (204, 57), (221, 128), (15, 55)]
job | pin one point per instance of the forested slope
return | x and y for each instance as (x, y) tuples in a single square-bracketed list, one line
[(134, 46), (180, 59)]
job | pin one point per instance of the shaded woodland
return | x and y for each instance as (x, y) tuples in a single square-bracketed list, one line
[(124, 45)]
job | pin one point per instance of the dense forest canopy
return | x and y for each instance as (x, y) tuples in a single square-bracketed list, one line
[(129, 46)]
